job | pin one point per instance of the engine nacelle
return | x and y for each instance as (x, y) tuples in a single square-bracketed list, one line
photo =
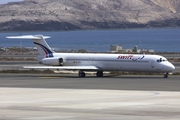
[(52, 61)]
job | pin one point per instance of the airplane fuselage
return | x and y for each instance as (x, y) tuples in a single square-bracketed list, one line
[(115, 62)]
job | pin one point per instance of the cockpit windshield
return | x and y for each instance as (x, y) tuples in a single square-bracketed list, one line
[(161, 60)]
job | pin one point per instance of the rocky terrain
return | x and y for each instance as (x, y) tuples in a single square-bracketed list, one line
[(88, 14)]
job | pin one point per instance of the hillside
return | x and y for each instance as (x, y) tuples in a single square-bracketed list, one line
[(88, 14)]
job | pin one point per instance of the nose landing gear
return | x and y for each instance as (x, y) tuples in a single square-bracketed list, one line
[(166, 75)]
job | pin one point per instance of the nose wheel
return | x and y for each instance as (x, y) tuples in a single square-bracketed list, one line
[(166, 75)]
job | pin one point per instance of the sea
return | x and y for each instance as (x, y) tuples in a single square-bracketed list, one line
[(158, 39)]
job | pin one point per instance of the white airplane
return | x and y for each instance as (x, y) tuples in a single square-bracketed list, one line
[(96, 62)]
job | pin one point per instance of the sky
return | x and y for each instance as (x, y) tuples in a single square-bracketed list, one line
[(6, 1)]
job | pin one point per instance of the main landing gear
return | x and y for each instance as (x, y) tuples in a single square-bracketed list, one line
[(99, 74), (166, 75), (83, 74)]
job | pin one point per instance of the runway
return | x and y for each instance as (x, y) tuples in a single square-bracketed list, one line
[(67, 81), (67, 97)]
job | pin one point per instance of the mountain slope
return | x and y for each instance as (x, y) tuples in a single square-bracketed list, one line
[(86, 14)]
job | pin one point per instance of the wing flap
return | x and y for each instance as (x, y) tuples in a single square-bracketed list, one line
[(64, 67)]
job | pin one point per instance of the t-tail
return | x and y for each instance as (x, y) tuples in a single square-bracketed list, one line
[(39, 40)]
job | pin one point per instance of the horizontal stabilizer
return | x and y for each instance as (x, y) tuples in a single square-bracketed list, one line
[(64, 67), (34, 37)]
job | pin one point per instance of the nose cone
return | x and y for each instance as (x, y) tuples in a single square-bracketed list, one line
[(170, 67)]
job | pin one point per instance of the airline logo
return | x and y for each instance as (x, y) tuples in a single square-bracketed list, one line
[(125, 57), (131, 57), (139, 57)]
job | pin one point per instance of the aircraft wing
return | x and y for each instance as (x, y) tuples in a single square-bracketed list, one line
[(64, 67)]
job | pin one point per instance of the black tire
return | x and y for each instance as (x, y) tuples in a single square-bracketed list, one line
[(166, 75), (82, 74), (99, 74)]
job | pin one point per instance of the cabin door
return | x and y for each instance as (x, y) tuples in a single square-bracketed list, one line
[(152, 64)]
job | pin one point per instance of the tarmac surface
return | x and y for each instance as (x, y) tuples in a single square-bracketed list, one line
[(68, 81), (67, 97)]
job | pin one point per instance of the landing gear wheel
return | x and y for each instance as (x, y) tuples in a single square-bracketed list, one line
[(82, 74), (99, 74), (166, 75)]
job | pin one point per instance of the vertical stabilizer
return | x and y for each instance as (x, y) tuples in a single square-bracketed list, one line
[(43, 48), (39, 40)]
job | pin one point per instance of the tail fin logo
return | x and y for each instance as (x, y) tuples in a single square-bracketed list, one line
[(48, 52)]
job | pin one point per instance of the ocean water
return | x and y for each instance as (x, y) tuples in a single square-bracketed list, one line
[(161, 39)]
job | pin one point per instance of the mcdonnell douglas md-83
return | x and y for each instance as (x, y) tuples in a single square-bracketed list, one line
[(96, 62)]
